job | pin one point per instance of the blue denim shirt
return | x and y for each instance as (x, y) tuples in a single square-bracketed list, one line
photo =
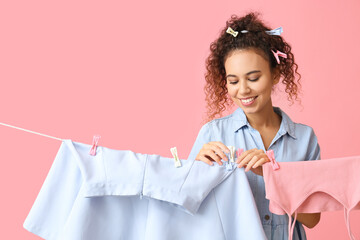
[(293, 142)]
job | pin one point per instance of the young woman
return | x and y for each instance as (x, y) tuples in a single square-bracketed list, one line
[(246, 62)]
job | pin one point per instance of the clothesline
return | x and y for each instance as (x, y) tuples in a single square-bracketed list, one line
[(23, 129), (94, 143)]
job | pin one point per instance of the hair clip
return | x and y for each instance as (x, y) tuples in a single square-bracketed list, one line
[(176, 157), (277, 54), (232, 32), (94, 145), (275, 165), (276, 31)]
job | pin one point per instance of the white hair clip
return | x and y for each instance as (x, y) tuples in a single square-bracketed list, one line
[(176, 157), (232, 32)]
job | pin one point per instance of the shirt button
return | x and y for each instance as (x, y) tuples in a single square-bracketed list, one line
[(267, 217)]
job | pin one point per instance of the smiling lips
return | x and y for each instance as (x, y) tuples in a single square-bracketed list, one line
[(247, 101)]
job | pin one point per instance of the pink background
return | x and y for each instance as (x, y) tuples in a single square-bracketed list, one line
[(133, 73)]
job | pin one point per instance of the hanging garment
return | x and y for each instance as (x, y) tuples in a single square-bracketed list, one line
[(119, 194), (314, 186), (293, 142)]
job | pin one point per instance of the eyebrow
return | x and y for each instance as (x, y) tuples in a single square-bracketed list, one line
[(231, 75)]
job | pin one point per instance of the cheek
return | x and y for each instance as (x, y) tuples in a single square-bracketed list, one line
[(232, 90), (263, 88)]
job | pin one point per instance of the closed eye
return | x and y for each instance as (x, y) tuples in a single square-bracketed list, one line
[(252, 80)]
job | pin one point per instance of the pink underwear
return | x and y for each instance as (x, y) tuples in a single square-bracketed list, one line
[(314, 186)]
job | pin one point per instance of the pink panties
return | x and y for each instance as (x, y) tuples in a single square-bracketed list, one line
[(314, 186)]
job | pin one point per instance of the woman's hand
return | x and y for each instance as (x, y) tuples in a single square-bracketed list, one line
[(213, 151), (253, 159)]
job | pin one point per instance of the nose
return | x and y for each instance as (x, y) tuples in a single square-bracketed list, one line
[(244, 88)]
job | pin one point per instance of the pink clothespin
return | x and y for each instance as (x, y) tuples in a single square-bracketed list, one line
[(239, 152), (275, 165), (94, 145)]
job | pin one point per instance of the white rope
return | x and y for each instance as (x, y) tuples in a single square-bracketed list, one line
[(31, 131)]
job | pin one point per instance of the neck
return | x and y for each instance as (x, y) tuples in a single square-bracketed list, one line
[(265, 119)]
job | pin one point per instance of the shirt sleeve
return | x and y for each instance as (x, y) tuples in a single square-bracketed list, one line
[(203, 137), (57, 195), (185, 187), (313, 148)]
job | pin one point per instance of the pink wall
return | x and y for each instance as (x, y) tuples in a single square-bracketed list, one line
[(133, 73)]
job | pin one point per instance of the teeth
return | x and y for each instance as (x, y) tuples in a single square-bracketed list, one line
[(247, 100)]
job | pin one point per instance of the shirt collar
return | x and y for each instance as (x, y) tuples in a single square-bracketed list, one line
[(286, 126)]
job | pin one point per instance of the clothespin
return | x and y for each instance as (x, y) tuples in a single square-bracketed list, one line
[(239, 152), (94, 145), (229, 166), (231, 156), (176, 157), (275, 165), (232, 153)]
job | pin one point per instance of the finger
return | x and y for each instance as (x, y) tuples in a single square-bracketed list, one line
[(244, 154), (216, 148), (212, 155), (252, 162), (247, 158), (222, 146), (205, 160), (261, 162)]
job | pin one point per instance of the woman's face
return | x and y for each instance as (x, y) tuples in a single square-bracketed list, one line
[(249, 80)]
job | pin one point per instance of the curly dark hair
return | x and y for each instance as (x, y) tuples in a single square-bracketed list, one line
[(257, 39)]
